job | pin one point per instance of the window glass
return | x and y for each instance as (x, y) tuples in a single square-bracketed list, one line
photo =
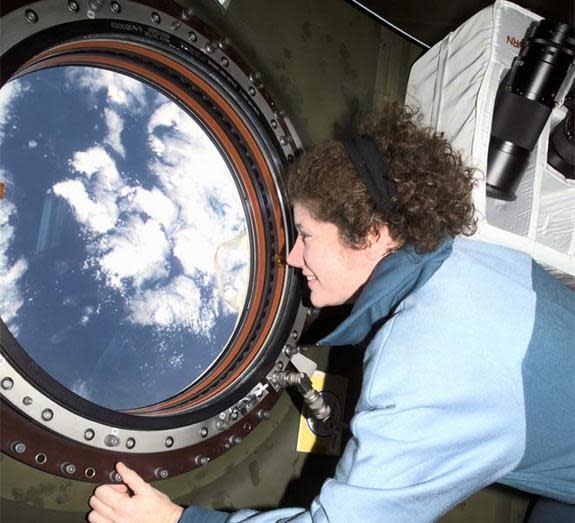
[(124, 249)]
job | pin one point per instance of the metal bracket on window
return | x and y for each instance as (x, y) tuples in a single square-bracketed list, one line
[(299, 377)]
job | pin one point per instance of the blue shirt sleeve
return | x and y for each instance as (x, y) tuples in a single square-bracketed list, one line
[(201, 515)]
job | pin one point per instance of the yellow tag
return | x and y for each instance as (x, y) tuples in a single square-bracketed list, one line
[(318, 437)]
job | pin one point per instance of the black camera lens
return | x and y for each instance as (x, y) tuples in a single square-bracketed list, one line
[(524, 101), (561, 150)]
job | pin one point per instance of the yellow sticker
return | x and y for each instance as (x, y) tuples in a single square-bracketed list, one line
[(325, 437)]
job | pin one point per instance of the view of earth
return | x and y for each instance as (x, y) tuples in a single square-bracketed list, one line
[(124, 249)]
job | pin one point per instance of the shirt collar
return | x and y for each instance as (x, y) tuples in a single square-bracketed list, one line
[(396, 276)]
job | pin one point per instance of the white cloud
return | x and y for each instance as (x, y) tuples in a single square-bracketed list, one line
[(155, 204), (32, 144), (127, 248), (176, 361), (195, 249), (93, 197), (232, 271), (81, 388), (138, 250), (87, 314), (115, 126), (8, 95), (121, 90), (11, 296), (212, 229), (99, 217), (96, 162), (178, 304)]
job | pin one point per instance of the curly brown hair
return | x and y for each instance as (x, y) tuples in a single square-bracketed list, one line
[(431, 184)]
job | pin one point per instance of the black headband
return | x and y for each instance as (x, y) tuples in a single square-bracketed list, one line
[(372, 167)]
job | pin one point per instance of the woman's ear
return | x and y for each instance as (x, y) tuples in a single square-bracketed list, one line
[(380, 243)]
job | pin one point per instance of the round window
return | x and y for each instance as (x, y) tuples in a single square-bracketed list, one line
[(144, 294)]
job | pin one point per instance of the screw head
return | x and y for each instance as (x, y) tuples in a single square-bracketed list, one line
[(255, 78), (7, 383), (68, 468), (27, 400), (274, 124), (31, 16), (290, 350), (96, 5), (130, 443), (116, 7), (187, 13), (192, 37), (169, 441), (161, 473), (89, 434), (225, 61), (47, 414), (222, 425), (111, 440), (115, 477), (18, 447), (202, 460), (156, 18), (252, 91), (204, 432), (73, 6)]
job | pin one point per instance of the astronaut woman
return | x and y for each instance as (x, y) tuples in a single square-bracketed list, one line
[(470, 358)]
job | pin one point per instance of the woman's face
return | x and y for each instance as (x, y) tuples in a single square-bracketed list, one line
[(334, 271)]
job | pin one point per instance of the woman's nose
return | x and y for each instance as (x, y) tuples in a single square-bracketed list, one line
[(295, 256)]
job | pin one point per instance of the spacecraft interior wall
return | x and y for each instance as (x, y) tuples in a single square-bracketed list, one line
[(455, 84)]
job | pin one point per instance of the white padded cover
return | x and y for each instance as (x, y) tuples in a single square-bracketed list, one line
[(454, 84)]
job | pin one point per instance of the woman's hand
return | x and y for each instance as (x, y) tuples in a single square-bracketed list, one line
[(114, 504)]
